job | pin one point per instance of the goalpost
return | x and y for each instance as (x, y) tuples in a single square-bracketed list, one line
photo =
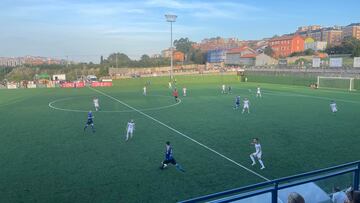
[(336, 82)]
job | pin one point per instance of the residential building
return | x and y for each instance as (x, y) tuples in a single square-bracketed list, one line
[(308, 40), (31, 60), (179, 56), (332, 36), (308, 28), (352, 30), (240, 56), (310, 43), (241, 51), (264, 60), (217, 43), (286, 45), (11, 62), (166, 53), (313, 31), (247, 59), (315, 34), (216, 56), (155, 56)]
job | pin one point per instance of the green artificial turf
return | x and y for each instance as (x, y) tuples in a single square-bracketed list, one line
[(46, 156)]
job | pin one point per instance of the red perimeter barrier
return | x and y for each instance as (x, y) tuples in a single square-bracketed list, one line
[(72, 85), (79, 84), (101, 84)]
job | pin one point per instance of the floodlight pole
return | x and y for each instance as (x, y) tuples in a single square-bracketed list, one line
[(171, 19), (172, 52)]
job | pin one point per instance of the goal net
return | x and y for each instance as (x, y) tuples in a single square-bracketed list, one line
[(336, 82)]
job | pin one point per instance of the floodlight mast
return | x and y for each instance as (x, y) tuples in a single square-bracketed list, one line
[(171, 19)]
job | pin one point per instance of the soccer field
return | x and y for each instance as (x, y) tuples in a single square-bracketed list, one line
[(46, 156)]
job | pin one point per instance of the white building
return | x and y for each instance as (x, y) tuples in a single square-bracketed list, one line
[(59, 77), (166, 53), (316, 46), (11, 62), (264, 60)]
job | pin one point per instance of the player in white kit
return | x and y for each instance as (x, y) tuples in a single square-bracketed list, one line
[(130, 129), (258, 92), (184, 91), (144, 91), (96, 103), (333, 107), (223, 90), (246, 105), (257, 154)]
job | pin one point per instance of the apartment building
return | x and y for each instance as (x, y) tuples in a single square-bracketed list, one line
[(352, 30), (332, 36), (286, 45)]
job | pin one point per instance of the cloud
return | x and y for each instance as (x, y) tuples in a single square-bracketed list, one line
[(201, 9), (166, 4), (138, 26)]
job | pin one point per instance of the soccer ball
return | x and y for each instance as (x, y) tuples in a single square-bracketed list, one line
[(165, 165)]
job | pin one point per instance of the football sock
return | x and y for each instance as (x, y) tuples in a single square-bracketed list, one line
[(261, 163), (252, 159), (178, 167)]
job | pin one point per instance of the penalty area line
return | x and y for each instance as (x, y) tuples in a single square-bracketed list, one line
[(180, 133)]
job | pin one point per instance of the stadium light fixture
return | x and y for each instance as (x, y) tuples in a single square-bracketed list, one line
[(171, 19)]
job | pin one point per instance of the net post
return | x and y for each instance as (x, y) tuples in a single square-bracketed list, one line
[(318, 81), (356, 177), (348, 85), (274, 193)]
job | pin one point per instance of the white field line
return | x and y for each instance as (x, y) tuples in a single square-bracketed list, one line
[(285, 94), (309, 96), (51, 105), (182, 134)]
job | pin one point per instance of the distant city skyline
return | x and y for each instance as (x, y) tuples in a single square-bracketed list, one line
[(86, 29)]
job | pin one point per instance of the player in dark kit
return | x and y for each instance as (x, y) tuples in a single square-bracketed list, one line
[(229, 89), (90, 122), (170, 159), (237, 102)]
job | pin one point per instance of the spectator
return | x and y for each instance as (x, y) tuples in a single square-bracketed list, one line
[(353, 196), (295, 198), (339, 196)]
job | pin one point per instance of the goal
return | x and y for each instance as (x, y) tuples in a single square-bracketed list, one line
[(336, 82)]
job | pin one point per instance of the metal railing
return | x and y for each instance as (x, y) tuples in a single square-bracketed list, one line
[(274, 186)]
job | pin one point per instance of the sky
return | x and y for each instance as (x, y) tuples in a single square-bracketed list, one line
[(83, 30)]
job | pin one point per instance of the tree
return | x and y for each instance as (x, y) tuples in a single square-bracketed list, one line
[(104, 71), (356, 52), (309, 52), (145, 57), (184, 45), (295, 54), (349, 45), (301, 61), (191, 55), (269, 51), (197, 56), (121, 59)]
